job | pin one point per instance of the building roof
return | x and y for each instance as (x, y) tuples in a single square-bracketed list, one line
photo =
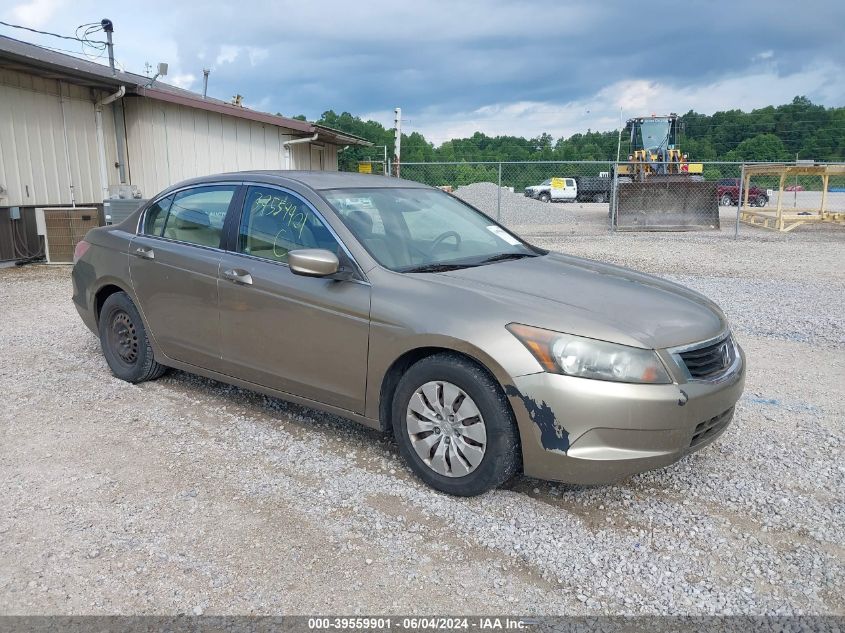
[(33, 59)]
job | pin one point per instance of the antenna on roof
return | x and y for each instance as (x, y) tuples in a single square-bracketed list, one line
[(161, 69)]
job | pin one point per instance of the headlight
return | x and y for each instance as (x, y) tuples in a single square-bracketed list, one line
[(587, 358)]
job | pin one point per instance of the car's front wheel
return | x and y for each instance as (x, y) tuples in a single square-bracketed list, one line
[(124, 341), (454, 426), (544, 197), (726, 201)]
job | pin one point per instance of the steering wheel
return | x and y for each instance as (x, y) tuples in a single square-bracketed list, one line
[(442, 237)]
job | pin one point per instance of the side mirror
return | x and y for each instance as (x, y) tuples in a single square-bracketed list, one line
[(313, 262)]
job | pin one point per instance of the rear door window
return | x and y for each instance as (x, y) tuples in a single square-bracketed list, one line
[(197, 214)]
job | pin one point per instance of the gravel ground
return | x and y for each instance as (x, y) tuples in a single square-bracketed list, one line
[(185, 495)]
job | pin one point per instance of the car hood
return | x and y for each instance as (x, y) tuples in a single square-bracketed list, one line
[(592, 299)]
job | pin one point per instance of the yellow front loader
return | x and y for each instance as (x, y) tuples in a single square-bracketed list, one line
[(659, 189)]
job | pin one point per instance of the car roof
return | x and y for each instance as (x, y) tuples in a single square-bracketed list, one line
[(318, 180)]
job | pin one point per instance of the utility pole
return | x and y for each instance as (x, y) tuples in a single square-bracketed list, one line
[(108, 27), (619, 140), (397, 140)]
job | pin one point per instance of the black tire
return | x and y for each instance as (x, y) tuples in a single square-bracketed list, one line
[(761, 201), (600, 197), (503, 456), (124, 341), (725, 201), (544, 197)]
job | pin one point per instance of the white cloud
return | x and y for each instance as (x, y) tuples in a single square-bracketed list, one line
[(229, 54), (763, 56), (184, 80), (601, 111), (36, 13), (256, 54)]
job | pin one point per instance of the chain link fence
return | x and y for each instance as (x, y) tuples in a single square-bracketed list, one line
[(592, 196)]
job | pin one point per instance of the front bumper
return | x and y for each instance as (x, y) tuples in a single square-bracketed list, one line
[(584, 431)]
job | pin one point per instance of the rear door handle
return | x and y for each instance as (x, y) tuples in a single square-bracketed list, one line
[(146, 253), (238, 276)]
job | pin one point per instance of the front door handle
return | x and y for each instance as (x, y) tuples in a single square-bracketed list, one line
[(146, 253), (238, 276)]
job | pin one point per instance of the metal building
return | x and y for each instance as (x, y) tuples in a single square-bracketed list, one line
[(76, 133)]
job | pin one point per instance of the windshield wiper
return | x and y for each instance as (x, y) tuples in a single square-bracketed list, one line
[(505, 256), (436, 268), (443, 267)]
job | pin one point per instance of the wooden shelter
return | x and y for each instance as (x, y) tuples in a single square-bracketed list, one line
[(784, 220)]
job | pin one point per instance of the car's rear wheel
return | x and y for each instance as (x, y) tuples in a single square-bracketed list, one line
[(454, 426), (124, 341), (725, 201)]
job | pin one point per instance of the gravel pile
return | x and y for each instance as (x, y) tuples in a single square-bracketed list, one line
[(517, 210), (187, 495)]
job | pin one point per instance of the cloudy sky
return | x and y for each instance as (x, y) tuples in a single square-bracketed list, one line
[(457, 66)]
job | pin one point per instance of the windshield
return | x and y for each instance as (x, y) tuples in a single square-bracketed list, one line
[(654, 133), (419, 230)]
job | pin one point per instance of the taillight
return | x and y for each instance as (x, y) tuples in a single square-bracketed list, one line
[(80, 250)]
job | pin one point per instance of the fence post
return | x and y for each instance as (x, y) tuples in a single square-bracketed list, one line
[(739, 200), (499, 196), (614, 194)]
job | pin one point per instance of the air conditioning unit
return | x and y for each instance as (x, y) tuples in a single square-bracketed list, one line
[(63, 228), (117, 210)]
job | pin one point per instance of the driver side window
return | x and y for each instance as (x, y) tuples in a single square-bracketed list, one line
[(275, 222)]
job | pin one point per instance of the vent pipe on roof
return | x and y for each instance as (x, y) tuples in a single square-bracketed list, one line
[(205, 72), (108, 27)]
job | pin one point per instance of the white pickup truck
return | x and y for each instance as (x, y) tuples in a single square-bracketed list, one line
[(580, 188), (554, 190)]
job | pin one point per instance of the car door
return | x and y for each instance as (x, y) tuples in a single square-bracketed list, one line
[(302, 335), (174, 265)]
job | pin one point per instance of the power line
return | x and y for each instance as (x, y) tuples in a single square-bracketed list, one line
[(64, 37), (77, 54)]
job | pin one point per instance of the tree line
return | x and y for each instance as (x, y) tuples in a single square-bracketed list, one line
[(775, 133)]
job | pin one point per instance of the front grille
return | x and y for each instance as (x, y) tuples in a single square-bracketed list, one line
[(710, 361), (711, 427)]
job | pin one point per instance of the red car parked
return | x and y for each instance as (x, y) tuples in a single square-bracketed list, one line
[(728, 193)]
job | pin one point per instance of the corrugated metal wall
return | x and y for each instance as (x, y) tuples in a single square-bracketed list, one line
[(168, 142), (34, 148), (45, 151)]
